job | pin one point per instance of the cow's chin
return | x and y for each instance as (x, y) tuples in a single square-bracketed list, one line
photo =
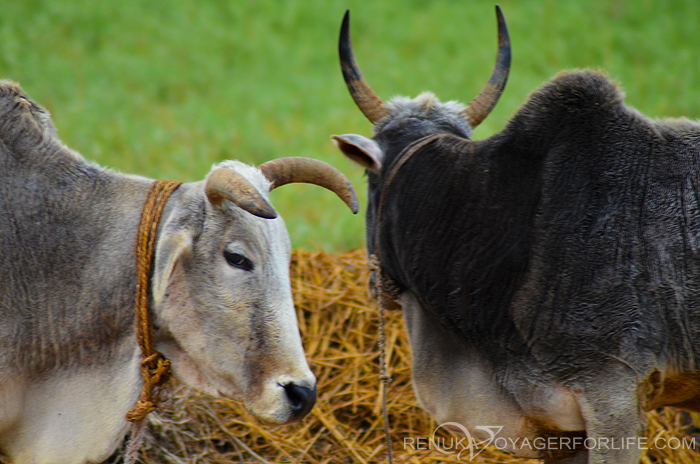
[(187, 371), (268, 404), (194, 374)]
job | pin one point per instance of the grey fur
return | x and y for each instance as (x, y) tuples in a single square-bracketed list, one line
[(68, 355)]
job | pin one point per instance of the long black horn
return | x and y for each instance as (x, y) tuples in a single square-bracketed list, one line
[(369, 102), (483, 103), (283, 171)]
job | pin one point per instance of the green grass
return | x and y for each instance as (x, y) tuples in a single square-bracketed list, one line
[(168, 88)]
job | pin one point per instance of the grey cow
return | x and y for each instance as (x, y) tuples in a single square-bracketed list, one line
[(221, 300), (549, 275)]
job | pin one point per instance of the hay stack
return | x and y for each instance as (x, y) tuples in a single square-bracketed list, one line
[(339, 328)]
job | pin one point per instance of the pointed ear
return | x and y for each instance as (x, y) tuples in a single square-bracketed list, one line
[(171, 247), (365, 152)]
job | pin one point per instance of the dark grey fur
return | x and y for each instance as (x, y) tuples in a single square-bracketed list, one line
[(563, 251)]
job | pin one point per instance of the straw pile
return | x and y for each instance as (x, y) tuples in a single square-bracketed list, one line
[(339, 328)]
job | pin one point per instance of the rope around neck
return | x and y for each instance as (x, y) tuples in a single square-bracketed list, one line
[(155, 369), (384, 295)]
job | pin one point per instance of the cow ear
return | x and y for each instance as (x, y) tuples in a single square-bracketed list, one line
[(365, 152), (171, 248)]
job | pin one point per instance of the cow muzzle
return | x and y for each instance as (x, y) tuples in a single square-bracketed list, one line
[(301, 399), (284, 400)]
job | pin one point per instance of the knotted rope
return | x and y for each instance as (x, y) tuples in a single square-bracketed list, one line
[(155, 369)]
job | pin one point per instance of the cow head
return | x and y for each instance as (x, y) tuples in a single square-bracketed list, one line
[(224, 312), (402, 121)]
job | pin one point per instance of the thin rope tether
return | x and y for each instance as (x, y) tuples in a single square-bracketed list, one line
[(383, 371), (155, 369)]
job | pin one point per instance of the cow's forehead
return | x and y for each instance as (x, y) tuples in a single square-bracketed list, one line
[(425, 106)]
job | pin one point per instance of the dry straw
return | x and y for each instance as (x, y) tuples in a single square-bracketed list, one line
[(339, 328)]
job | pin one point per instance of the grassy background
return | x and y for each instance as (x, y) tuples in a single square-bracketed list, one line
[(166, 88)]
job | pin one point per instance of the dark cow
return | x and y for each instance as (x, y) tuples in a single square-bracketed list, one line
[(550, 274)]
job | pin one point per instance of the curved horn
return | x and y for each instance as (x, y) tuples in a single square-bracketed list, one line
[(227, 184), (369, 103), (483, 103), (311, 171)]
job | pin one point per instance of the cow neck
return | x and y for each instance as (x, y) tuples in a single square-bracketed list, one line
[(155, 369), (386, 290)]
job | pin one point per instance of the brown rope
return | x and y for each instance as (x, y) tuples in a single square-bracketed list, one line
[(155, 369)]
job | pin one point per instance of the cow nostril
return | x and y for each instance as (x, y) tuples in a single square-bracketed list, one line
[(301, 399)]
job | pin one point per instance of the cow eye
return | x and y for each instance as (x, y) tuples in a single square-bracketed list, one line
[(238, 261)]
